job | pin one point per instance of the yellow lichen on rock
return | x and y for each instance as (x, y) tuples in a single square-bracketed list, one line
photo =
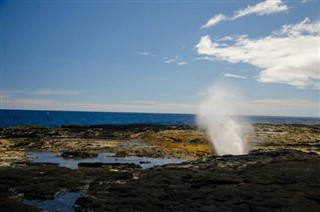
[(190, 144)]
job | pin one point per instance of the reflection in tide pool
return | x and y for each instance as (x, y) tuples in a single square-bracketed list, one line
[(61, 203), (72, 163)]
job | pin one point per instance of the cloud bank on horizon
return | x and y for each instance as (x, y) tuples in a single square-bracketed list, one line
[(289, 55)]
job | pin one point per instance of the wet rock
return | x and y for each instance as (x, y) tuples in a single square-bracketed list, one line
[(45, 182), (93, 165), (186, 142), (84, 202), (79, 154), (10, 205), (144, 162), (217, 183), (267, 179), (227, 183), (114, 165), (121, 154)]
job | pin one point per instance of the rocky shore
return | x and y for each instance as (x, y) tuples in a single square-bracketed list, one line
[(281, 172)]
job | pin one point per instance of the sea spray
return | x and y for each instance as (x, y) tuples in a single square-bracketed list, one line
[(217, 114)]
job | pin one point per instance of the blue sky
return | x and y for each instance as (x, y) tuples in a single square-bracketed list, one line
[(160, 56)]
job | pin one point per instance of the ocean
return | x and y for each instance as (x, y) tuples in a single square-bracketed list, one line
[(58, 118)]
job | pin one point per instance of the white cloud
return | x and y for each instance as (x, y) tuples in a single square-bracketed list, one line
[(214, 21), (146, 54), (9, 102), (206, 58), (182, 63), (303, 27), (234, 76), (176, 60), (264, 8), (173, 60), (169, 61), (267, 7), (233, 37), (290, 58)]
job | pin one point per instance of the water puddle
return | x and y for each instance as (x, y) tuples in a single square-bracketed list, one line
[(72, 163), (61, 203)]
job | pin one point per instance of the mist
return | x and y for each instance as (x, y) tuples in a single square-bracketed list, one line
[(218, 115)]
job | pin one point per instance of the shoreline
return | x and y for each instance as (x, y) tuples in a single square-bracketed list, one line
[(283, 159), (155, 141)]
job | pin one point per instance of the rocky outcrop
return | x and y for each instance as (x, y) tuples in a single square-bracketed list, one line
[(262, 181), (86, 141), (186, 142), (280, 180), (275, 176), (46, 181)]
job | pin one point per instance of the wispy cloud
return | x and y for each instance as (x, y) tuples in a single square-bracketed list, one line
[(182, 63), (172, 60), (214, 21), (264, 8), (176, 60), (306, 1), (232, 37), (303, 27), (234, 76), (146, 54), (206, 58), (267, 7), (290, 57)]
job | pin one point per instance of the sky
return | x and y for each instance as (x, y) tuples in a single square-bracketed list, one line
[(160, 56)]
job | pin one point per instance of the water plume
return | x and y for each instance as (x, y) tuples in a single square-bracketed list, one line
[(217, 114)]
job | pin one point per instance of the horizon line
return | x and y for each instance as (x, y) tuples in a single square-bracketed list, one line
[(172, 113)]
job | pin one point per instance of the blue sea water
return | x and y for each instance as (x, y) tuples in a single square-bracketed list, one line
[(58, 118), (61, 203)]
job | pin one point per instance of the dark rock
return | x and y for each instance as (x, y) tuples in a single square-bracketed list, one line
[(121, 154), (43, 164), (144, 162), (21, 144), (77, 127), (111, 165), (281, 180), (229, 183), (23, 132), (79, 154), (97, 164), (10, 205), (196, 140), (84, 202)]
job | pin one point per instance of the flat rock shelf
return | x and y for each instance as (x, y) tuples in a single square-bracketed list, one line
[(157, 168), (101, 158)]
